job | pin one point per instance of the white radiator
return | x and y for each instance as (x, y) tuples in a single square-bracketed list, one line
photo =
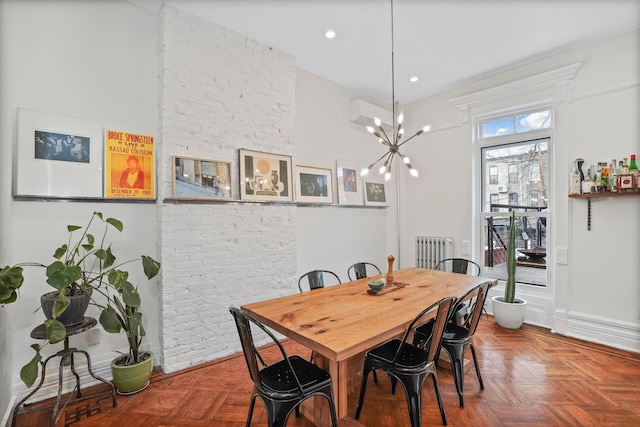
[(431, 250)]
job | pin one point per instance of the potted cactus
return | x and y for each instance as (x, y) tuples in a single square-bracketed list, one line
[(508, 310)]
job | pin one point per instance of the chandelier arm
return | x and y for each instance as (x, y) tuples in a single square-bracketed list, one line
[(380, 158), (408, 139)]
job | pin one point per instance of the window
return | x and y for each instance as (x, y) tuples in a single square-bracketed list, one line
[(494, 200), (493, 175), (520, 123), (534, 171), (513, 174), (524, 164), (534, 198)]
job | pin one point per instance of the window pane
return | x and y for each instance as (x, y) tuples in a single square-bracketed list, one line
[(513, 174), (493, 175), (497, 127), (515, 164), (533, 121)]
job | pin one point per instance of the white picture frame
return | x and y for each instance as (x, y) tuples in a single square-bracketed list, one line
[(313, 185), (349, 183), (265, 177), (57, 156), (375, 193)]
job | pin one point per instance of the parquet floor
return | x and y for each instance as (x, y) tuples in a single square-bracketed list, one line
[(532, 378)]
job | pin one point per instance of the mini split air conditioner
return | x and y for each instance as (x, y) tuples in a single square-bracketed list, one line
[(503, 188), (362, 113)]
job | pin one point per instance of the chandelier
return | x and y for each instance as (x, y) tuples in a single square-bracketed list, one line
[(392, 142)]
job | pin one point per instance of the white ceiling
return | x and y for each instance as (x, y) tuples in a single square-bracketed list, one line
[(444, 42)]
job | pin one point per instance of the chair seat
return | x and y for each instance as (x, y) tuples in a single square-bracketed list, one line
[(453, 332), (410, 359), (277, 378)]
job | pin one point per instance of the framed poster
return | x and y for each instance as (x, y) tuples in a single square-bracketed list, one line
[(349, 186), (313, 185), (374, 194), (265, 177), (201, 178), (129, 166), (57, 156)]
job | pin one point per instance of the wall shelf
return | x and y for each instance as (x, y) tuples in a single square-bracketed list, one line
[(606, 195), (187, 201)]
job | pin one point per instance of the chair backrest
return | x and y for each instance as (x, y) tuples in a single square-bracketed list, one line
[(475, 299), (442, 315), (359, 270), (459, 265), (316, 279), (251, 355)]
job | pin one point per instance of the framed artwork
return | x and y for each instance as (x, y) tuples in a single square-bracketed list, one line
[(374, 194), (57, 156), (265, 177), (201, 178), (130, 171), (313, 185), (349, 185)]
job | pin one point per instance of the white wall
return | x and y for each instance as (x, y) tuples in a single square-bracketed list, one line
[(96, 61), (596, 294), (334, 238), (220, 92)]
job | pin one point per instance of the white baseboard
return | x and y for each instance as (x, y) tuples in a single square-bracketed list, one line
[(611, 332)]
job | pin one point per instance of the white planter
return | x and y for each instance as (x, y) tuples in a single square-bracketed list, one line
[(509, 315)]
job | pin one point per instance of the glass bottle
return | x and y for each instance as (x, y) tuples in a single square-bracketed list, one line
[(633, 169), (587, 184), (613, 176), (574, 183)]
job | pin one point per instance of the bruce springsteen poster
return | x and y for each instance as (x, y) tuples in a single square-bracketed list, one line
[(129, 166)]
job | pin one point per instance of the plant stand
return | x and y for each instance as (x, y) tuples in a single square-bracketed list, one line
[(66, 359)]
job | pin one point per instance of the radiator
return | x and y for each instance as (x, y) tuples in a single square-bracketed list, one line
[(431, 250)]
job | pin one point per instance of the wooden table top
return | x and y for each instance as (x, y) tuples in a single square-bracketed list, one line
[(341, 321)]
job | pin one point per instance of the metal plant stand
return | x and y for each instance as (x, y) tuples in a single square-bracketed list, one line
[(66, 359)]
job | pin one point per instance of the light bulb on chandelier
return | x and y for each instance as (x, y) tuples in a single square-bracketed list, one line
[(392, 142)]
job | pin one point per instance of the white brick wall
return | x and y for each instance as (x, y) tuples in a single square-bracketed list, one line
[(219, 92)]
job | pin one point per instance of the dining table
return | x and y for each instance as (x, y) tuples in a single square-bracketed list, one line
[(340, 323)]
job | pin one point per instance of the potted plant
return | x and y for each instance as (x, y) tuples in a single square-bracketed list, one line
[(83, 266), (509, 310), (131, 371)]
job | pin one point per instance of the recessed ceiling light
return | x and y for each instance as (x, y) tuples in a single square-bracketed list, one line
[(330, 34), (413, 79)]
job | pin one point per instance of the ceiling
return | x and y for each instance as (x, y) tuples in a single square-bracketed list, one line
[(444, 42)]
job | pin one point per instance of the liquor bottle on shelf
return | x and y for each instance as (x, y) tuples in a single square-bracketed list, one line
[(574, 182), (633, 169), (599, 183), (626, 180), (613, 176), (587, 184)]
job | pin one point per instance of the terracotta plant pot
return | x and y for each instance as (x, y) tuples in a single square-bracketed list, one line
[(132, 378), (73, 314), (509, 315)]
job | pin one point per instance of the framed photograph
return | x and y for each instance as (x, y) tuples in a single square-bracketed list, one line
[(265, 177), (374, 194), (349, 184), (313, 185), (201, 178), (57, 156), (130, 171)]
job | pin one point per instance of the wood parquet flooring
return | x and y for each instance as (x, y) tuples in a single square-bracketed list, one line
[(532, 378)]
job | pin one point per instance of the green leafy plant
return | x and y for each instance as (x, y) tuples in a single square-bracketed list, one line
[(87, 265), (510, 286)]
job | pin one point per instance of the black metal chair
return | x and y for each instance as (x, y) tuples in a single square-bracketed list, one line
[(459, 265), (316, 278), (410, 364), (457, 337), (283, 385), (359, 270)]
